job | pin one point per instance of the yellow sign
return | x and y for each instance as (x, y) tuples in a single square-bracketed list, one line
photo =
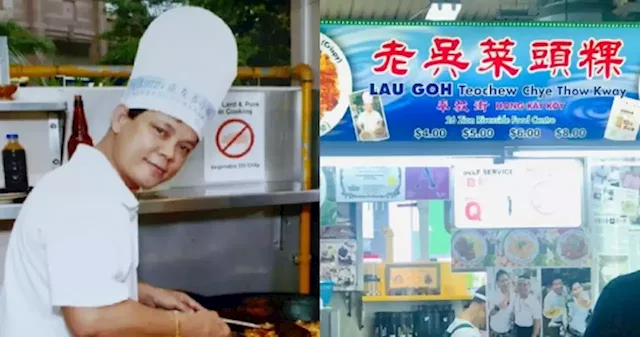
[(413, 276)]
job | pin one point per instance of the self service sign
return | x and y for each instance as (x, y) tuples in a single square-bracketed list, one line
[(427, 81)]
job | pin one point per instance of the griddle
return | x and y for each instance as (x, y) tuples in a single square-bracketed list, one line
[(280, 309)]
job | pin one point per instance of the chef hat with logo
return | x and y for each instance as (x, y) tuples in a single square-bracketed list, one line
[(367, 98), (186, 63)]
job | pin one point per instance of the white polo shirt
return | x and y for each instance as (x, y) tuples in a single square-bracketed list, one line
[(369, 121), (500, 322), (74, 243), (462, 328), (527, 310)]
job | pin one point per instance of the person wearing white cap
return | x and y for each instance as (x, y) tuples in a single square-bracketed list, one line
[(370, 121), (472, 319), (71, 264)]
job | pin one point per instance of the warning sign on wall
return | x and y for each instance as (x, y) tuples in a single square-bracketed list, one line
[(235, 140)]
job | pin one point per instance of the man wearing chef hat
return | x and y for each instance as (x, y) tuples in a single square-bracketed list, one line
[(71, 265), (369, 122)]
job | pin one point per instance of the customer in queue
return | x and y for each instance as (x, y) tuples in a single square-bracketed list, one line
[(617, 313), (472, 319), (71, 264)]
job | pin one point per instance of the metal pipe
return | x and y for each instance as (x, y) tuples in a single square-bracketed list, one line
[(304, 74), (301, 72), (309, 30), (75, 71), (125, 71)]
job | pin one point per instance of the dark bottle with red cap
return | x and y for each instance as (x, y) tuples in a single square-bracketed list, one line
[(79, 127), (14, 162)]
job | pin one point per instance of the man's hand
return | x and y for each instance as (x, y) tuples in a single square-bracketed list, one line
[(166, 299), (204, 324)]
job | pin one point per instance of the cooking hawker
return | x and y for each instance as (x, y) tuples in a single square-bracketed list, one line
[(71, 265)]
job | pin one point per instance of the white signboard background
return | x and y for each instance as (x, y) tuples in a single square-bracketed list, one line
[(519, 194), (234, 142)]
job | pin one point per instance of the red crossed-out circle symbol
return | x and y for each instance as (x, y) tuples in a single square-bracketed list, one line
[(233, 132)]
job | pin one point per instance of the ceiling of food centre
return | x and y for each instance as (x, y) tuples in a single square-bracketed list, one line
[(472, 10)]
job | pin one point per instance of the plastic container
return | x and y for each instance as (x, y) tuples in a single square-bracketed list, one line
[(371, 279), (326, 293)]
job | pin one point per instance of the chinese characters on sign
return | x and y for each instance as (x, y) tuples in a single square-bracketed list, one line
[(497, 57), (395, 56), (445, 52), (598, 57), (552, 56), (535, 83)]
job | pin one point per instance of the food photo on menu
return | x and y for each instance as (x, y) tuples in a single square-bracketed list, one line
[(472, 250), (479, 249), (336, 84), (514, 302), (567, 303)]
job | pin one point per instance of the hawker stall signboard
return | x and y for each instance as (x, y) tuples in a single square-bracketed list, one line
[(430, 81)]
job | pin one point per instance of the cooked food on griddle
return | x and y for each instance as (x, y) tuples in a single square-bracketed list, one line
[(259, 333), (312, 327)]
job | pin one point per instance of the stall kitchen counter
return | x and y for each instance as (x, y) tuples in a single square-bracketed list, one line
[(205, 198)]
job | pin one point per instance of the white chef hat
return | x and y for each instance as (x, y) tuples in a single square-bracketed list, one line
[(367, 98), (186, 62)]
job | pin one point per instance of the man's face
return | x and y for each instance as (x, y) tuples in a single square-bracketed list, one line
[(368, 107), (523, 287), (557, 286), (151, 148)]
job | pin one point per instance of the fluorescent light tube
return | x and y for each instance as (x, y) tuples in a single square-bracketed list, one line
[(575, 153), (443, 11)]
